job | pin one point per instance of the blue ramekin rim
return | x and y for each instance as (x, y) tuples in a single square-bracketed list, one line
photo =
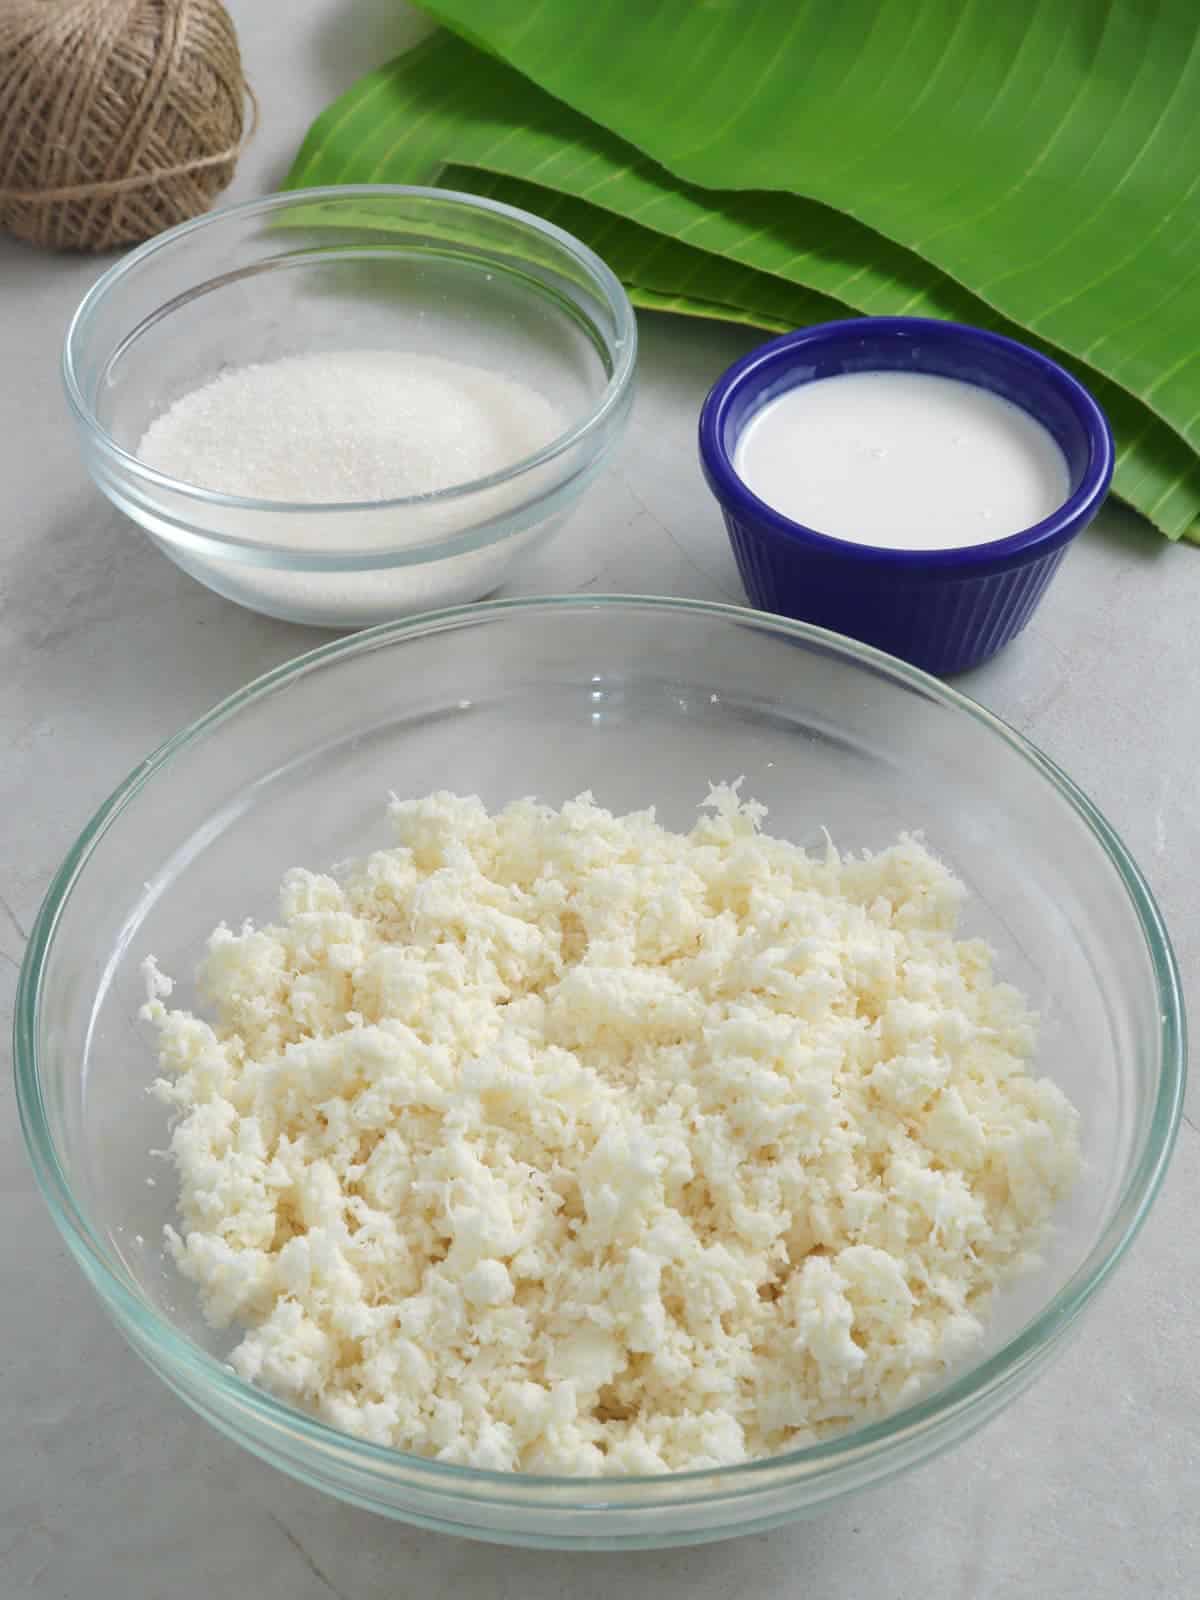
[(765, 361)]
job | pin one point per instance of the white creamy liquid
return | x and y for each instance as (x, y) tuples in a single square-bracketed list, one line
[(902, 460)]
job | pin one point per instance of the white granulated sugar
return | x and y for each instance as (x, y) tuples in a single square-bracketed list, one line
[(348, 426), (555, 1141)]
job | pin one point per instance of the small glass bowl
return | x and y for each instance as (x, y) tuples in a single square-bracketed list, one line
[(355, 267), (643, 701), (943, 610)]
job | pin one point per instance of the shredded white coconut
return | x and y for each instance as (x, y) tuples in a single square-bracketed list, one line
[(555, 1141)]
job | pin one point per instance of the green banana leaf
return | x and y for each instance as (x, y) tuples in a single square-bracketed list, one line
[(682, 305), (445, 102), (655, 261), (1042, 152), (1154, 468)]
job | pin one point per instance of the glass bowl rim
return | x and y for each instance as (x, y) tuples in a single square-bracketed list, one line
[(926, 1416), (751, 371), (622, 347)]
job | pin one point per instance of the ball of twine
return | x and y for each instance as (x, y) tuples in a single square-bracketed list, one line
[(118, 118)]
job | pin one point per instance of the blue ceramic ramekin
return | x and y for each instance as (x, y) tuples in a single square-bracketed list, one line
[(943, 610)]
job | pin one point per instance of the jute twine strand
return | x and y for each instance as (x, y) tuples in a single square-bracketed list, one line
[(118, 118)]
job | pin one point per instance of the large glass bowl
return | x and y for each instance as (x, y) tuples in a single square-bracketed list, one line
[(642, 701), (357, 267)]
